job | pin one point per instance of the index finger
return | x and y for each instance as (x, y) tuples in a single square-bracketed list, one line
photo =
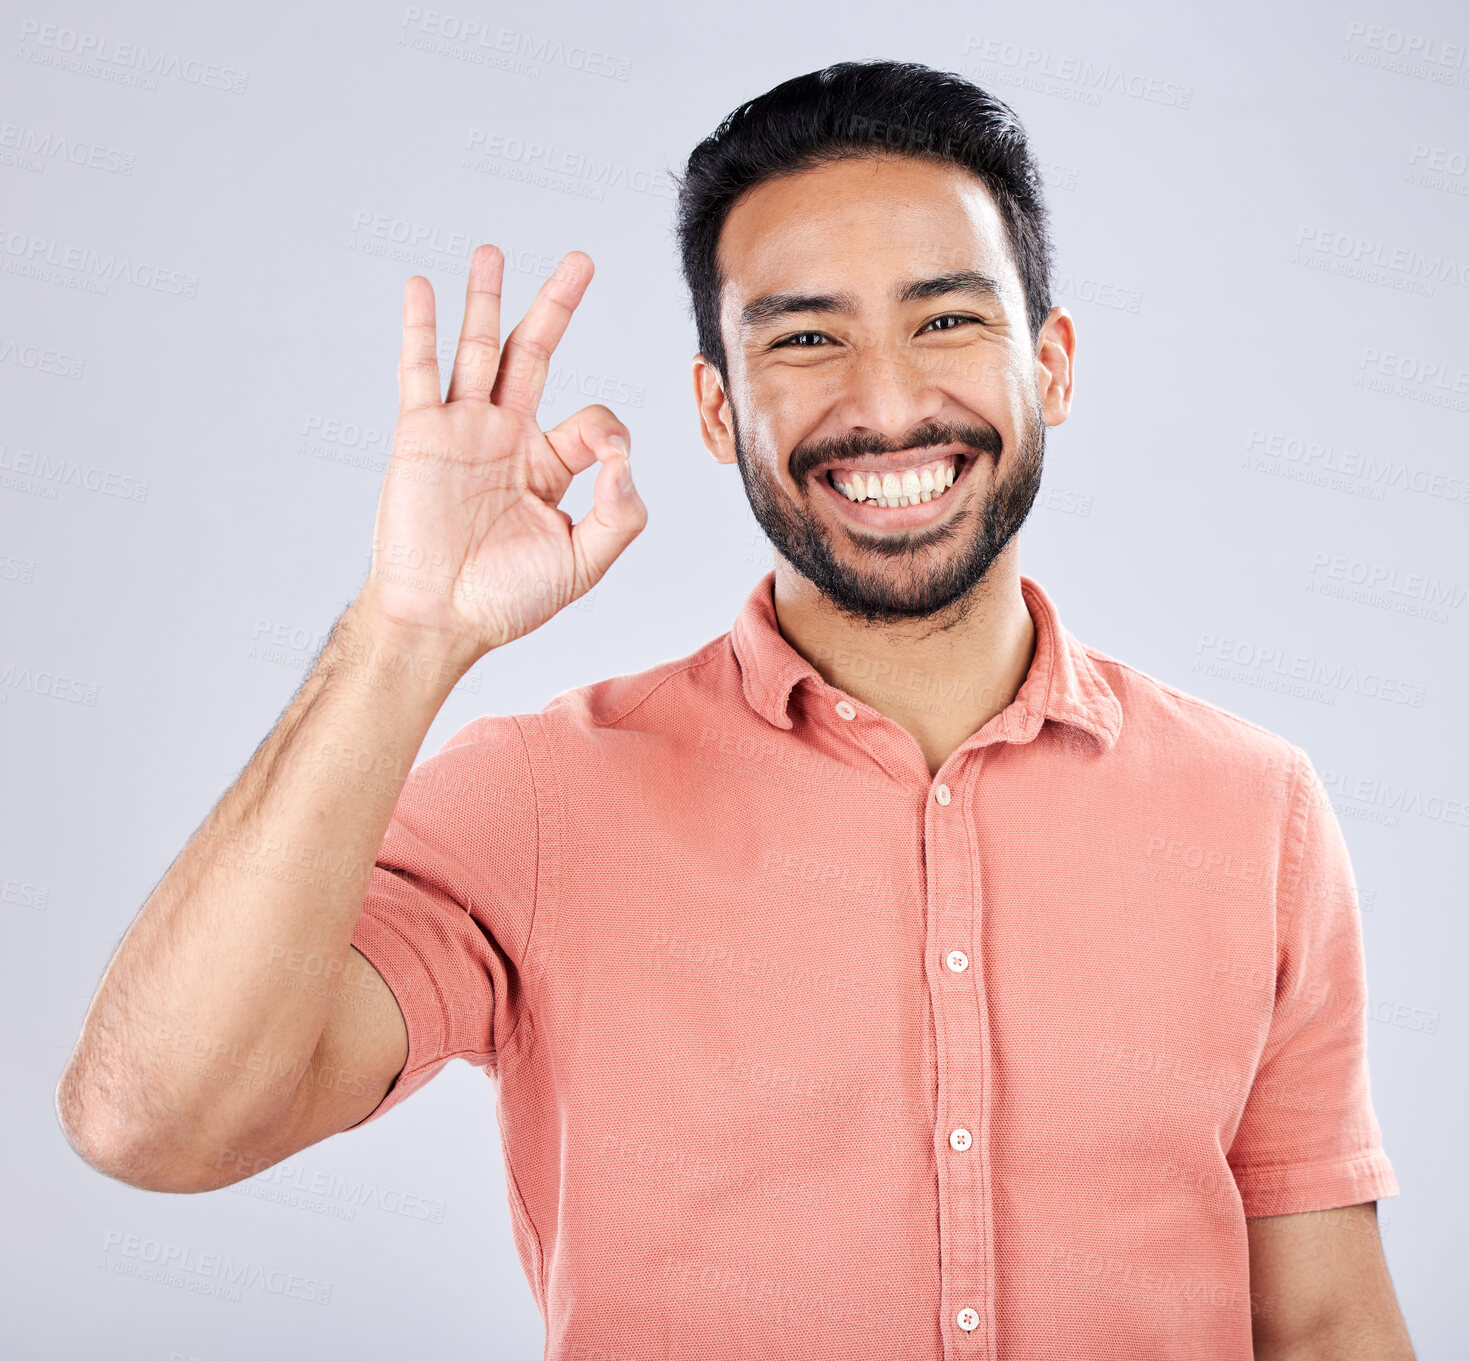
[(527, 352)]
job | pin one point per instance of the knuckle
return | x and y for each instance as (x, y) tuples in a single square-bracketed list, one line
[(533, 349), (607, 420), (474, 371)]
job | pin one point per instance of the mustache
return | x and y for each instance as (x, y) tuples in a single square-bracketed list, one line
[(983, 439)]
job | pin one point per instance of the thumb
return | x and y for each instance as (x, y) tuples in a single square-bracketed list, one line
[(616, 518)]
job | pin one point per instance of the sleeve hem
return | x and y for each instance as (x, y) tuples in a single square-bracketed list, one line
[(412, 986), (1295, 1188)]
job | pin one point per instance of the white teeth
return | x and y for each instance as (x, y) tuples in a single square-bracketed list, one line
[(899, 489)]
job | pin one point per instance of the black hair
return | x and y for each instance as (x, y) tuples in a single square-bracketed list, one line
[(859, 108)]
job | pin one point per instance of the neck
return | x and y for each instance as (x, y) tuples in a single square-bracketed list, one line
[(940, 678)]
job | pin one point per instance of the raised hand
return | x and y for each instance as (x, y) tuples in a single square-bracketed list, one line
[(470, 547)]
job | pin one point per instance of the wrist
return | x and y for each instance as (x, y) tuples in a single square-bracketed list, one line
[(370, 642)]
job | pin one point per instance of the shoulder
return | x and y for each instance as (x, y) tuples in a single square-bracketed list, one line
[(1180, 727), (668, 694)]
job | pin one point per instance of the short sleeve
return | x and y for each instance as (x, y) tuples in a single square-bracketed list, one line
[(451, 901), (1308, 1138)]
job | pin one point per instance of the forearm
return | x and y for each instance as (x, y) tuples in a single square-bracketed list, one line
[(1387, 1341), (1320, 1288), (206, 1020)]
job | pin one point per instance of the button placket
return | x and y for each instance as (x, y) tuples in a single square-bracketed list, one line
[(954, 919)]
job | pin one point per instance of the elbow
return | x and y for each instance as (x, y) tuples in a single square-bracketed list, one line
[(104, 1141)]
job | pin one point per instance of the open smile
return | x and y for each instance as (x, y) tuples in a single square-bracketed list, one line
[(898, 491)]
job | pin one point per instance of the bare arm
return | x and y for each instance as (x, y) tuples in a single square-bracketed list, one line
[(1321, 1290), (235, 1024), (197, 1053)]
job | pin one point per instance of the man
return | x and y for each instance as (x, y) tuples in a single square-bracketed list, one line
[(894, 976)]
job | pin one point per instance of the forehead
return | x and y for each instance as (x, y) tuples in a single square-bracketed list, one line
[(872, 218)]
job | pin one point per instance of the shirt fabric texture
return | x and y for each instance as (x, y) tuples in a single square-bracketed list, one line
[(802, 1052)]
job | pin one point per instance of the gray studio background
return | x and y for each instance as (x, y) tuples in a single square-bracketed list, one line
[(1261, 498)]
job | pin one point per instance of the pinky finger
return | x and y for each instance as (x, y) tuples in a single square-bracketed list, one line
[(616, 518), (418, 362)]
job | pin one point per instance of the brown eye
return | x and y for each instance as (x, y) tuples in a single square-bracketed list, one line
[(955, 317)]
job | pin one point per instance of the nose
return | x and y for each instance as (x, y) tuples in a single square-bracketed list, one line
[(887, 390)]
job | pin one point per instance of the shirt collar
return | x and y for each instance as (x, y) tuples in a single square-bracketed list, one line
[(1063, 684)]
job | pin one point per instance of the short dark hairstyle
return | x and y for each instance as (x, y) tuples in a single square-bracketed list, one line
[(860, 108)]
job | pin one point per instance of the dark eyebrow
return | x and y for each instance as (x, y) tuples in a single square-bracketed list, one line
[(969, 281), (775, 305)]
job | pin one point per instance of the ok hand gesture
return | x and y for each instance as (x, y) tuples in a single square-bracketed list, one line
[(471, 548)]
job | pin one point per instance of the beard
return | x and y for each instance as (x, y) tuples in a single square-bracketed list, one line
[(929, 583)]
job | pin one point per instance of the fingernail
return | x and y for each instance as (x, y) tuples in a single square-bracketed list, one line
[(624, 476), (619, 442)]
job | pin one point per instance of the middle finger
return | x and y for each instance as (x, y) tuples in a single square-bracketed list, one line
[(478, 355)]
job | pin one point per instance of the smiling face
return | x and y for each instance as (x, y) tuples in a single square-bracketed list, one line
[(886, 404)]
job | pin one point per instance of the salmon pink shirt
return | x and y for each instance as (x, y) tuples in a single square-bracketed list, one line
[(802, 1052)]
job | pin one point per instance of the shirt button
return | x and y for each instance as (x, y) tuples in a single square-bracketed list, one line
[(958, 961), (967, 1319), (941, 793), (959, 1140), (845, 709)]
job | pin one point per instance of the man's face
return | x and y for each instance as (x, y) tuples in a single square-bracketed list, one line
[(876, 339)]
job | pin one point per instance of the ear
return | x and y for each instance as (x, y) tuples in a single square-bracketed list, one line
[(714, 416), (1055, 354)]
